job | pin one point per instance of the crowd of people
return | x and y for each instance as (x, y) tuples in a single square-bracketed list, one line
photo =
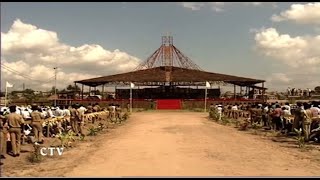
[(280, 117), (299, 92), (17, 122)]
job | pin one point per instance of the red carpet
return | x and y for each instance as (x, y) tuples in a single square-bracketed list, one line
[(168, 104)]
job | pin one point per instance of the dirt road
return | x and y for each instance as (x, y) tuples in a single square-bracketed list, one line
[(181, 144)]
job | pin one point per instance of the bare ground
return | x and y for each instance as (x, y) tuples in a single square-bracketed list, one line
[(174, 144)]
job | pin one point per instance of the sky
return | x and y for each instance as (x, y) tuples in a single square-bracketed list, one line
[(277, 42)]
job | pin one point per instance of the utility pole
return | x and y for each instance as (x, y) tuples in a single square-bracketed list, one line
[(23, 87), (55, 86)]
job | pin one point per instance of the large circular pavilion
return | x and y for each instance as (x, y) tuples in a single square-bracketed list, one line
[(169, 74)]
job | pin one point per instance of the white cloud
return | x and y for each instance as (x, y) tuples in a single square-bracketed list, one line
[(292, 78), (298, 56), (34, 52), (300, 13), (220, 6), (293, 51), (39, 77), (193, 5), (278, 78), (317, 30)]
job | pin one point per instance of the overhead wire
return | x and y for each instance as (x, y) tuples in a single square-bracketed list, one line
[(16, 72), (26, 76)]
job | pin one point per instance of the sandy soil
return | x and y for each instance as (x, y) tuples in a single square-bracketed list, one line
[(176, 144)]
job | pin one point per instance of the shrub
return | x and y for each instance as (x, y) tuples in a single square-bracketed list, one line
[(66, 138), (152, 105), (213, 114), (197, 110), (35, 156), (125, 116), (300, 138), (93, 131), (225, 120), (243, 126), (100, 127), (255, 125), (81, 138)]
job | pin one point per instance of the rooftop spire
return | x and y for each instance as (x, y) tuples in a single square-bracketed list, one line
[(168, 55)]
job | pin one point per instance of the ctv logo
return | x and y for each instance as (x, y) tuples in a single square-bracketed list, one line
[(44, 151)]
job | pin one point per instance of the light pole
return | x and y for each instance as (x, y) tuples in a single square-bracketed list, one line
[(55, 86), (205, 100)]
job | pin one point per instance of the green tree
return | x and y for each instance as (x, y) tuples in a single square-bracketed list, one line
[(29, 95), (52, 90), (41, 94), (63, 91), (317, 89), (73, 88), (13, 95)]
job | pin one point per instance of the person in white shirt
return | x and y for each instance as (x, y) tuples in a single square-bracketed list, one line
[(29, 109), (66, 112), (83, 108), (81, 111), (309, 92), (44, 112), (58, 112), (25, 114), (287, 106), (5, 110), (285, 111), (219, 108), (235, 107), (18, 110), (315, 109), (113, 110), (50, 113)]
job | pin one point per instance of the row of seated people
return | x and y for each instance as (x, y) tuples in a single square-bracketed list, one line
[(283, 118), (17, 128)]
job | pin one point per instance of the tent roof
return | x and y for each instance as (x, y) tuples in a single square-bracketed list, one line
[(164, 74)]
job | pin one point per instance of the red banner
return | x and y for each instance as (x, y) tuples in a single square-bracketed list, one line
[(168, 104)]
